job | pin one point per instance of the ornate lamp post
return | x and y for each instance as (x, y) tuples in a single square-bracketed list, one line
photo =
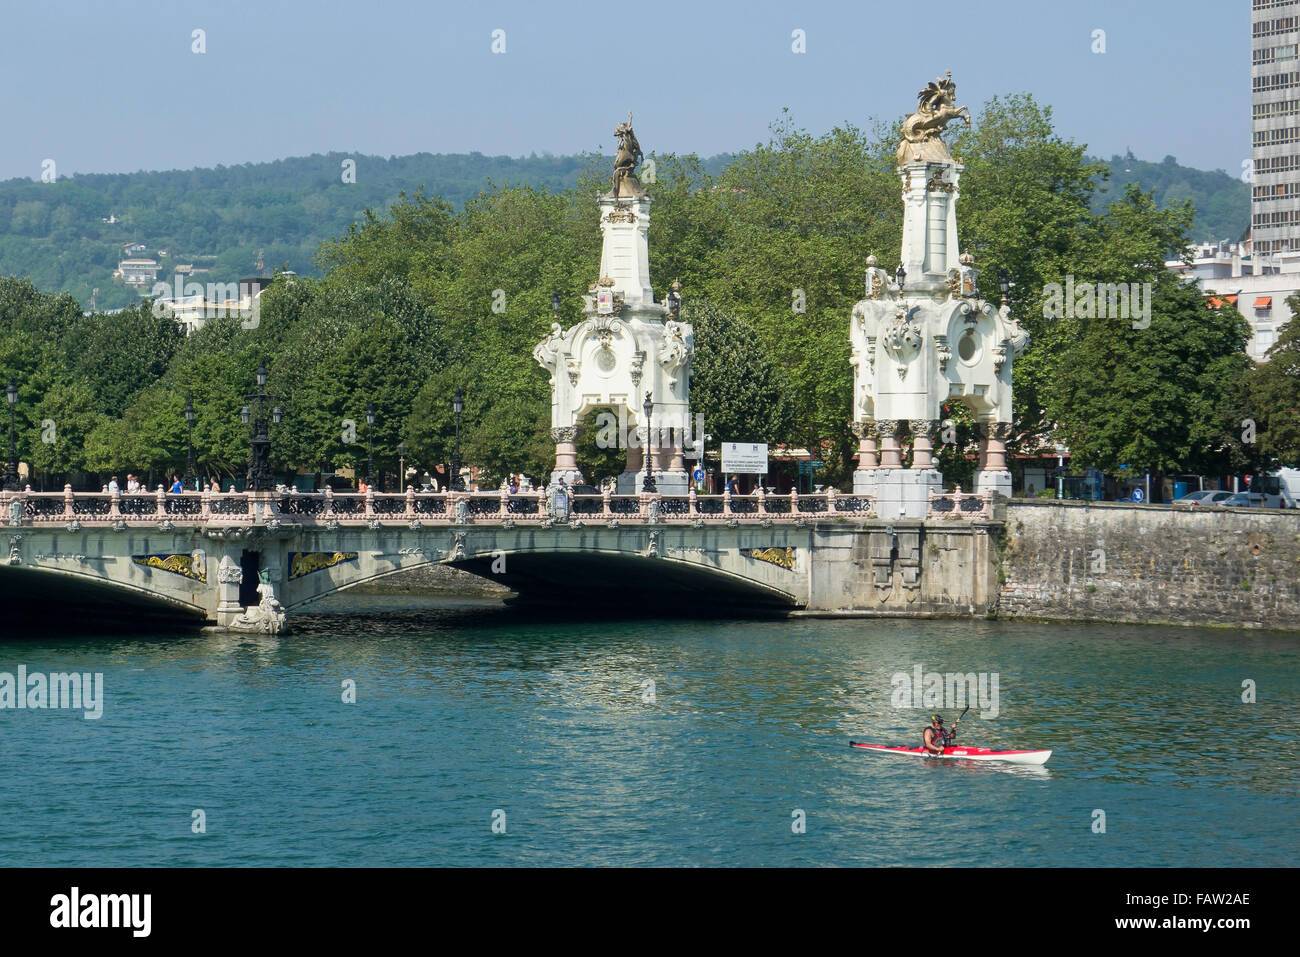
[(899, 275), (11, 473), (370, 444), (1004, 283), (401, 466), (259, 471), (648, 484), (189, 434), (457, 406), (555, 305)]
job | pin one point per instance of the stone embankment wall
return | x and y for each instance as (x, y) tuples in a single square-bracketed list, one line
[(1144, 563)]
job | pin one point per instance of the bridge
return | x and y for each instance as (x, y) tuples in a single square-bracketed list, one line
[(244, 561)]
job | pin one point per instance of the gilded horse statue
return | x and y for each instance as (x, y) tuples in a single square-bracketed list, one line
[(625, 161), (936, 108)]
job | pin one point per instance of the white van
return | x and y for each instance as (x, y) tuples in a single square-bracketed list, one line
[(1280, 489)]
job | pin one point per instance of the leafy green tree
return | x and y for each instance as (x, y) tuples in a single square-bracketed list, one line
[(1275, 394), (743, 395)]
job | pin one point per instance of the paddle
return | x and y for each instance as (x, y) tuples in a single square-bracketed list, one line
[(952, 732)]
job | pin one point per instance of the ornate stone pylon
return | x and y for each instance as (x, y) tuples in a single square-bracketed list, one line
[(625, 347), (922, 336)]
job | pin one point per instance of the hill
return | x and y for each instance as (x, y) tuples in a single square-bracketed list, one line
[(69, 236)]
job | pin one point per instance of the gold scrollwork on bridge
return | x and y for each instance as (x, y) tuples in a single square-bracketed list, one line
[(782, 557), (193, 566), (304, 563)]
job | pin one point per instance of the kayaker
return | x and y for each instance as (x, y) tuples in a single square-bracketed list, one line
[(936, 737)]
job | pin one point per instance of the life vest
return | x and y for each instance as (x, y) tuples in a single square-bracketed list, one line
[(942, 736)]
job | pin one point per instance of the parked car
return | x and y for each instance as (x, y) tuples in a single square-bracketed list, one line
[(1243, 500), (1208, 496)]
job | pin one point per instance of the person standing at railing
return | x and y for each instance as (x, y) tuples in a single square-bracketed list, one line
[(113, 488), (177, 485)]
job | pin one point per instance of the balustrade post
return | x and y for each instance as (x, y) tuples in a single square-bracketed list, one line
[(541, 501), (762, 500), (161, 499), (410, 502), (604, 503), (114, 504), (794, 503), (691, 505), (503, 508), (370, 502), (329, 500), (205, 504), (69, 503), (726, 500), (830, 500)]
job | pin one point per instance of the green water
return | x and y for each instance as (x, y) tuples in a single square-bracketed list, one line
[(464, 710)]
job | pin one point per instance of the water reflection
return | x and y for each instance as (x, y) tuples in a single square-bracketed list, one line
[(468, 706)]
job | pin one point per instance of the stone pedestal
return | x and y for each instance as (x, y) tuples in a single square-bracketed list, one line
[(891, 455), (923, 443), (864, 477), (992, 473), (666, 483), (905, 493), (566, 457)]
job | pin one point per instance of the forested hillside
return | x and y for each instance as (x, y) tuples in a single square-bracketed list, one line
[(59, 234)]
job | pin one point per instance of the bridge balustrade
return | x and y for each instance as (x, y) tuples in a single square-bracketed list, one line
[(348, 503), (312, 507), (588, 505), (959, 505), (388, 504), (430, 504), (296, 503)]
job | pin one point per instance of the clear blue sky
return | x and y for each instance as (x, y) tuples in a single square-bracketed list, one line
[(114, 86)]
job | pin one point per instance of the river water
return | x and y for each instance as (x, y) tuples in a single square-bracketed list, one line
[(649, 743)]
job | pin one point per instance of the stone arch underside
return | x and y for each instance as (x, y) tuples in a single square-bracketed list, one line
[(638, 585), (35, 601)]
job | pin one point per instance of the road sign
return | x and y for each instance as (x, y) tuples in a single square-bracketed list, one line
[(807, 468), (1137, 495), (747, 457), (698, 475)]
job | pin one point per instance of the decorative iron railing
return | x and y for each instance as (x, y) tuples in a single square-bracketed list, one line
[(311, 508)]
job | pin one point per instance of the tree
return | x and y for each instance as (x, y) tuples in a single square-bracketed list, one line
[(743, 395), (1275, 394)]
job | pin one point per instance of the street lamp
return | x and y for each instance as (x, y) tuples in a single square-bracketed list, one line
[(457, 406), (189, 433), (370, 444), (555, 304), (401, 458), (11, 473), (899, 275), (648, 484), (259, 470), (1004, 283)]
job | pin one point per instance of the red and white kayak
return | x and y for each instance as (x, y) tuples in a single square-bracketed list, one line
[(960, 753)]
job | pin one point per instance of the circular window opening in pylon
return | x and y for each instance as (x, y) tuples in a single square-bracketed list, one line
[(606, 361), (968, 347)]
